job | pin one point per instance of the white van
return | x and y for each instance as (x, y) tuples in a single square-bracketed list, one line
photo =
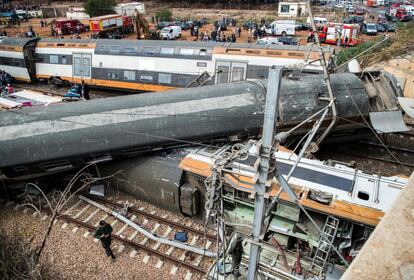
[(281, 27), (410, 10), (318, 21), (171, 32)]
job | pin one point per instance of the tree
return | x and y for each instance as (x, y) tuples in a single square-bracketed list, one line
[(99, 7), (164, 15)]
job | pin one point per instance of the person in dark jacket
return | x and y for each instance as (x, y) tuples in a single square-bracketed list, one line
[(236, 253), (103, 233), (85, 90)]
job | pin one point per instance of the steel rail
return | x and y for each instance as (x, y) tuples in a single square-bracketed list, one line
[(389, 147), (373, 158), (137, 245), (152, 216)]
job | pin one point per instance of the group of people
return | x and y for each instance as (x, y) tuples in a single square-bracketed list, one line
[(6, 81), (218, 35), (25, 7)]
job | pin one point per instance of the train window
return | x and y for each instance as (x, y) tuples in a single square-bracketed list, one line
[(114, 49), (86, 66), (112, 74), (64, 60), (186, 52), (149, 51), (222, 74), (129, 50), (54, 59), (146, 77), (238, 73), (129, 75), (77, 66), (203, 52), (232, 50), (164, 78), (167, 51), (17, 62), (363, 195)]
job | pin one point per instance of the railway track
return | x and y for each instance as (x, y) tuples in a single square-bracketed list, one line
[(81, 215), (372, 156)]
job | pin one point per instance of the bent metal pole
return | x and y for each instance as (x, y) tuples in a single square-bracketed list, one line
[(265, 150)]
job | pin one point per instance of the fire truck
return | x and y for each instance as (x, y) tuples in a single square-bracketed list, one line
[(66, 26), (334, 33), (111, 26), (397, 13)]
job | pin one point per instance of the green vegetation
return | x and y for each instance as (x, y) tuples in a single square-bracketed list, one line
[(347, 54), (164, 15), (99, 7), (397, 46)]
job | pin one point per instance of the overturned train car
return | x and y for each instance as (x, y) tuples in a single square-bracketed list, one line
[(38, 141), (346, 203)]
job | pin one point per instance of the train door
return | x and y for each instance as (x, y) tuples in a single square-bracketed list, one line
[(230, 71), (82, 66)]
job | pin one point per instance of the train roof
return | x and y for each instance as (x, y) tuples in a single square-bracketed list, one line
[(7, 41), (161, 43)]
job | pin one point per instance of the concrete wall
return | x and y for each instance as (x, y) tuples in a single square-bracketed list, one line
[(403, 69), (389, 251)]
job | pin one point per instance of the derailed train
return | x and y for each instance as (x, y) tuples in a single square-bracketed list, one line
[(344, 202), (38, 141)]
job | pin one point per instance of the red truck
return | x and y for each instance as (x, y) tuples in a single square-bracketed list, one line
[(65, 26), (111, 26), (397, 13)]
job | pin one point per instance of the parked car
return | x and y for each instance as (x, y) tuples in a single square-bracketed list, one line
[(369, 29), (380, 28), (388, 27), (184, 26), (350, 9), (339, 6), (163, 24), (293, 41), (302, 26), (360, 11), (171, 32)]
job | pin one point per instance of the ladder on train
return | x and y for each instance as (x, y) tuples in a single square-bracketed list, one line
[(323, 251), (201, 80)]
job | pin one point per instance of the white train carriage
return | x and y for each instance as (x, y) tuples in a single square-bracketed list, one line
[(161, 65), (16, 58)]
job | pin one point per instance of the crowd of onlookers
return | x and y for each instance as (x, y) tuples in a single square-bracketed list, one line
[(25, 7)]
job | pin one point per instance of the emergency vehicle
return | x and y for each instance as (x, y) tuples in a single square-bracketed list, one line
[(348, 34)]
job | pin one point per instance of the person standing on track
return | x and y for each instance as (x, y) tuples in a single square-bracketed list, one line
[(236, 252), (85, 90), (103, 233)]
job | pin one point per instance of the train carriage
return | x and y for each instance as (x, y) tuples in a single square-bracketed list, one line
[(158, 65), (17, 58)]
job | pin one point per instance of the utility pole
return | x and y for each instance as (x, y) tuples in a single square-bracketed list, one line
[(265, 152)]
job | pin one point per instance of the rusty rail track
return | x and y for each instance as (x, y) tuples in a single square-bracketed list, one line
[(138, 246), (153, 217)]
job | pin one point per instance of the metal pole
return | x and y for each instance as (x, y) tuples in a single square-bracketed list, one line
[(325, 74), (272, 100)]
